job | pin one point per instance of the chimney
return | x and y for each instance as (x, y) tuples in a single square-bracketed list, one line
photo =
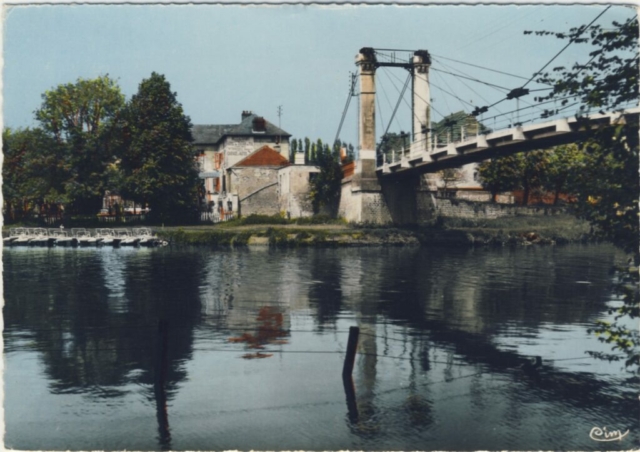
[(259, 124), (246, 114)]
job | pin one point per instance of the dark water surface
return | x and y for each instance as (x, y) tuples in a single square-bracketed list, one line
[(256, 341)]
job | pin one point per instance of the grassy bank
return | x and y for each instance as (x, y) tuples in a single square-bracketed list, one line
[(519, 230), (557, 229)]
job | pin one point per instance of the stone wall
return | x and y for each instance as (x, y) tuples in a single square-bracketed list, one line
[(293, 184), (257, 189), (237, 148), (264, 202), (459, 208)]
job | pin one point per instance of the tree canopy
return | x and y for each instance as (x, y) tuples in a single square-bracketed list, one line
[(157, 160), (79, 117)]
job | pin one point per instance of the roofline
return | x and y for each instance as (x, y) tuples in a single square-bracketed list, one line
[(235, 165), (202, 143)]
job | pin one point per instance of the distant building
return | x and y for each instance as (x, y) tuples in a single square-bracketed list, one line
[(223, 145), (245, 168), (254, 181)]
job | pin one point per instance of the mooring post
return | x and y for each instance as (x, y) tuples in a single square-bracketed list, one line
[(352, 346)]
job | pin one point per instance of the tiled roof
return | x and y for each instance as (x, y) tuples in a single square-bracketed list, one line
[(212, 134), (265, 156)]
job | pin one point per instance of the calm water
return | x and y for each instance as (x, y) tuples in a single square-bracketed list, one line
[(256, 341)]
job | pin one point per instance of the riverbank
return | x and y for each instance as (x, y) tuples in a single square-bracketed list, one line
[(522, 231)]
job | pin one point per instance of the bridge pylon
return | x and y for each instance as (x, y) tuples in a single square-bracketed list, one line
[(421, 95), (365, 198)]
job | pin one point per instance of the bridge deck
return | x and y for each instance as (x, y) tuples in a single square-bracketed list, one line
[(500, 143)]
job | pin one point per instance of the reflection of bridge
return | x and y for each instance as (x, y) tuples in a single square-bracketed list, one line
[(388, 189)]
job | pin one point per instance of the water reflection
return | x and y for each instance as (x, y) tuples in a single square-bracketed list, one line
[(441, 334)]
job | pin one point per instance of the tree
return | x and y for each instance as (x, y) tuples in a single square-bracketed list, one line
[(607, 81), (394, 142), (608, 186), (307, 150), (80, 117), (158, 162), (500, 174), (563, 166), (449, 176), (33, 172), (326, 186), (313, 157), (533, 166)]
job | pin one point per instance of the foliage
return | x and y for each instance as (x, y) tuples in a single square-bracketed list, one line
[(563, 162), (79, 117), (33, 172), (608, 184), (449, 176), (326, 185), (158, 162), (623, 336), (392, 143), (609, 79), (313, 149), (499, 174)]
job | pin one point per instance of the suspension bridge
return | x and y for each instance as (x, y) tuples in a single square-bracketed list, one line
[(386, 186)]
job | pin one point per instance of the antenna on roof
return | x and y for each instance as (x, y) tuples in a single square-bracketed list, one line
[(279, 123)]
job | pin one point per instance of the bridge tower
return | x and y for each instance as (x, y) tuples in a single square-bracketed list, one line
[(365, 170), (365, 197), (421, 95)]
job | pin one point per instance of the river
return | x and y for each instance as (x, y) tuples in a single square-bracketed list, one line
[(255, 341)]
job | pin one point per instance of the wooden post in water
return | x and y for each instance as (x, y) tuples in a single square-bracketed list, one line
[(350, 394), (352, 346)]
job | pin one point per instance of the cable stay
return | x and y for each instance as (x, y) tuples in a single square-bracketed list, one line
[(470, 88), (404, 88), (470, 78), (571, 41), (346, 107), (479, 67), (389, 103), (420, 97)]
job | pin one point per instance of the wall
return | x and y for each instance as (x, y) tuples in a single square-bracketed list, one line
[(236, 148), (458, 208), (293, 185), (256, 188), (360, 206)]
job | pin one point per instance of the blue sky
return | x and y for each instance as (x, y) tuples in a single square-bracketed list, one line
[(224, 59)]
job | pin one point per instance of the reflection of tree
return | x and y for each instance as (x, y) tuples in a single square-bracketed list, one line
[(325, 295), (86, 347)]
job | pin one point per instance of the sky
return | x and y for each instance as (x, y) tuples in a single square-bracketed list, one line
[(221, 60)]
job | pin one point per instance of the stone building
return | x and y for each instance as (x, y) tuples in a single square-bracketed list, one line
[(254, 180), (293, 185), (246, 170), (221, 146)]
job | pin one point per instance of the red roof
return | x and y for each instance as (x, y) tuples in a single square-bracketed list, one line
[(265, 156)]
